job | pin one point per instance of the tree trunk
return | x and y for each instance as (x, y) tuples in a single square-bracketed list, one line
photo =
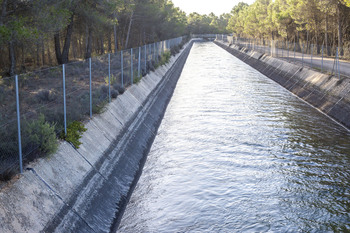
[(3, 11), (334, 42), (307, 41), (317, 43), (109, 42), (12, 56), (49, 55), (129, 28), (88, 42), (340, 32), (297, 43), (115, 39), (96, 45), (37, 54), (65, 52), (23, 58), (75, 47), (81, 52), (328, 48), (58, 48), (115, 34), (62, 57), (102, 45), (43, 53)]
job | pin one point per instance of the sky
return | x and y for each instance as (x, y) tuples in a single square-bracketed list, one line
[(218, 7)]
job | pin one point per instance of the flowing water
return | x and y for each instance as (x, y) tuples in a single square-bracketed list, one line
[(236, 152)]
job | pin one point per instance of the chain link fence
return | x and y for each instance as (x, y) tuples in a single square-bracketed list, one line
[(328, 59), (50, 99)]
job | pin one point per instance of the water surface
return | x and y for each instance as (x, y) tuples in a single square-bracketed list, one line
[(236, 152)]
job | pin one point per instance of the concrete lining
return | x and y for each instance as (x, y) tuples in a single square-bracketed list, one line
[(86, 189), (329, 94)]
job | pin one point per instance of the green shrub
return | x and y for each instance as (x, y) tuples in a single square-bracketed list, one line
[(114, 93), (74, 132), (119, 88), (40, 133)]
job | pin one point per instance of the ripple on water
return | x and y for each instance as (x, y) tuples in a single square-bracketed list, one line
[(236, 152)]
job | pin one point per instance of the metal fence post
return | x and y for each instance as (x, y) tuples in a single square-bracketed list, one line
[(322, 60), (19, 127), (337, 62), (282, 48), (139, 63), (109, 77), (64, 99), (302, 56), (312, 49), (150, 51), (132, 67), (90, 82), (154, 52), (146, 58), (294, 51), (122, 66)]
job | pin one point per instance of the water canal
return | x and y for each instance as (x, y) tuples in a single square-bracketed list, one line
[(236, 152)]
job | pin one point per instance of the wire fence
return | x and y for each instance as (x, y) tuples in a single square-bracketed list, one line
[(328, 59), (37, 106)]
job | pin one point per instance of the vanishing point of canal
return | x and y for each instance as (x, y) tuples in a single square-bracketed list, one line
[(236, 152)]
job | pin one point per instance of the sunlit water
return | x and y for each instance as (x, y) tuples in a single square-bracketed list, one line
[(236, 152)]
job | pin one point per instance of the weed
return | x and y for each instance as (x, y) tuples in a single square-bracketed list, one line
[(113, 79), (137, 78), (74, 133), (165, 58)]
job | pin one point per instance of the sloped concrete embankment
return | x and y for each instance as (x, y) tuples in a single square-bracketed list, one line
[(86, 189), (325, 92)]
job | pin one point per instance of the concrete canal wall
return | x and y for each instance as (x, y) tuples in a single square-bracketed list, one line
[(86, 189), (327, 93)]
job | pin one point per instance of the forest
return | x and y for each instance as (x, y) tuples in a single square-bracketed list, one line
[(319, 22), (35, 34)]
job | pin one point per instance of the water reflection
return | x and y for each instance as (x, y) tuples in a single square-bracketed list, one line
[(237, 152)]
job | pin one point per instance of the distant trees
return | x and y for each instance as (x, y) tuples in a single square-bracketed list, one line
[(314, 21), (204, 24), (37, 33), (27, 22)]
